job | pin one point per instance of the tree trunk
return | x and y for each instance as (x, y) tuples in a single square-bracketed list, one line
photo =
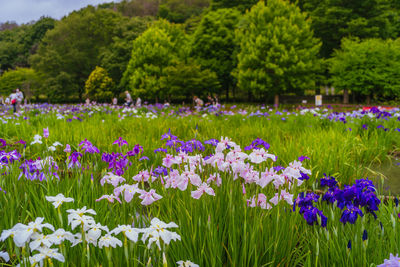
[(227, 93), (345, 96), (368, 99), (276, 101)]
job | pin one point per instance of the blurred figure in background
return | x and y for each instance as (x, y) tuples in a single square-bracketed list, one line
[(115, 101), (13, 100), (128, 99), (198, 102), (138, 102), (20, 97)]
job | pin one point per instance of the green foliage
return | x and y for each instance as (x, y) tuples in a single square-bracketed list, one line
[(188, 79), (277, 50), (241, 5), (156, 49), (73, 48), (28, 80), (214, 43), (332, 20), (115, 57), (99, 86), (369, 67), (17, 43), (179, 11), (133, 8)]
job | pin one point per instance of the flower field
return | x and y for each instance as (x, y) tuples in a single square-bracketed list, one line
[(229, 186)]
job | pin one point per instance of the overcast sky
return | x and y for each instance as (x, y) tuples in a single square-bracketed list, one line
[(23, 11)]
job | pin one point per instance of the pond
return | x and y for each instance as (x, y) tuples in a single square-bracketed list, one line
[(389, 174)]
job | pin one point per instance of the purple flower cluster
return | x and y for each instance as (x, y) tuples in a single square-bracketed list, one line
[(181, 146), (39, 169), (118, 163), (73, 160), (160, 170), (9, 157), (352, 198), (120, 142), (256, 144), (309, 212), (87, 147)]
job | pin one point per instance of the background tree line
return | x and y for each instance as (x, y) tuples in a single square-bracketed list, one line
[(237, 49)]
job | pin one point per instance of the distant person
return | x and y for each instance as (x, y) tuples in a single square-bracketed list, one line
[(7, 101), (20, 97), (198, 102), (13, 100), (166, 104), (1, 100), (210, 101), (128, 99), (138, 102), (215, 100), (87, 102), (115, 101)]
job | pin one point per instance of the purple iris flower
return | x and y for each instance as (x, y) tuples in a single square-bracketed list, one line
[(302, 158), (329, 181), (9, 157), (46, 132), (120, 142), (74, 160), (351, 214), (88, 147), (311, 214), (213, 142), (256, 144), (135, 151), (278, 168), (160, 150), (160, 171)]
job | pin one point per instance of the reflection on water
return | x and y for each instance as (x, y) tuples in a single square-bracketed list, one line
[(389, 173)]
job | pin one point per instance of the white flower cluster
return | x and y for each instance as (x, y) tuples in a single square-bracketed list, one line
[(33, 234)]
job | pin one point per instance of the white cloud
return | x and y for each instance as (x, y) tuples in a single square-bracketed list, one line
[(23, 11)]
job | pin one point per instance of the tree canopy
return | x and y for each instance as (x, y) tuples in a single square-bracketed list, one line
[(369, 67), (278, 52)]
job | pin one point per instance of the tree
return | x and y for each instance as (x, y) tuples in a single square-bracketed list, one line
[(186, 79), (278, 53), (73, 48), (333, 20), (152, 52), (115, 57), (134, 8), (241, 5), (214, 44), (368, 68), (178, 11), (99, 86), (18, 43), (25, 79)]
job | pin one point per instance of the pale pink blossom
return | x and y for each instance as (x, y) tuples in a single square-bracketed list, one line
[(148, 197), (203, 188), (216, 178), (110, 198), (168, 161), (142, 176), (111, 178), (260, 155)]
